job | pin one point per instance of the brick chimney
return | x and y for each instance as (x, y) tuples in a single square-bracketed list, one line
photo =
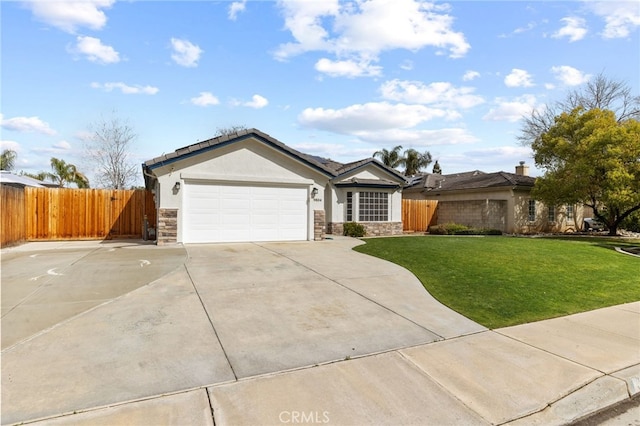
[(522, 169)]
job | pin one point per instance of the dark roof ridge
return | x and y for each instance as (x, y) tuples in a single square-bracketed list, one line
[(229, 138)]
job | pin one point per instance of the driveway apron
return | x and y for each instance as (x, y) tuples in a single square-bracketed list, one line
[(278, 306), (231, 311)]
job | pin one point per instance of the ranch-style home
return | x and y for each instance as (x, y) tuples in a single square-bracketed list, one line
[(248, 186), (499, 200)]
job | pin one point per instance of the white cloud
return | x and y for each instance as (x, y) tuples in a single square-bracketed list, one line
[(71, 15), (348, 68), (95, 51), (235, 8), (569, 75), (373, 116), (512, 110), (57, 148), (205, 99), (518, 78), (574, 28), (126, 89), (26, 125), (621, 18), (185, 53), (64, 145), (359, 31), (440, 94), (418, 138), (470, 75), (257, 102), (407, 65), (12, 145)]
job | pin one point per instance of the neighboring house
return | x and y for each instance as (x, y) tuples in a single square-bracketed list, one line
[(248, 186), (498, 200), (18, 181)]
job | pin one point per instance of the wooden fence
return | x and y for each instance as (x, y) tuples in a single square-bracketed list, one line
[(81, 214), (418, 215), (12, 215)]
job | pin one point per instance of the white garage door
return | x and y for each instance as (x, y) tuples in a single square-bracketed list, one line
[(236, 213)]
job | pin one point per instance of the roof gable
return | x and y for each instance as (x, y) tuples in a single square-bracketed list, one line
[(225, 140), (330, 168)]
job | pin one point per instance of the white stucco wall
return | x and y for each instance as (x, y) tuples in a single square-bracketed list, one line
[(248, 162)]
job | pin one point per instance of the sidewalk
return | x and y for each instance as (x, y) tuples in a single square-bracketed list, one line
[(549, 372)]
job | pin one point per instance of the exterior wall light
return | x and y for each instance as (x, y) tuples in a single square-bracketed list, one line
[(314, 192), (176, 187)]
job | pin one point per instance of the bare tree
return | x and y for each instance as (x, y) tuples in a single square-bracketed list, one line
[(600, 92), (109, 149), (229, 130)]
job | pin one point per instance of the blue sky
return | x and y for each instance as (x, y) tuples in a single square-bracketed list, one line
[(339, 79)]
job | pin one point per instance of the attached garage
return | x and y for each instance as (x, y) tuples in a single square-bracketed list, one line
[(247, 186), (214, 212)]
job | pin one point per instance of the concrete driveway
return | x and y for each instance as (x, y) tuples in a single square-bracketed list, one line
[(229, 312)]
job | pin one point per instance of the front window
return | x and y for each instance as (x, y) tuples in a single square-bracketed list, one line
[(532, 210), (373, 207), (570, 212), (552, 214), (349, 206)]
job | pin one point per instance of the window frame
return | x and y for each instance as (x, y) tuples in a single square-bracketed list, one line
[(551, 214), (373, 206), (531, 210), (570, 213), (368, 206)]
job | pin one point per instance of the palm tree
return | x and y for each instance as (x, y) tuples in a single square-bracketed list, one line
[(413, 161), (64, 173), (8, 159), (36, 176), (390, 158)]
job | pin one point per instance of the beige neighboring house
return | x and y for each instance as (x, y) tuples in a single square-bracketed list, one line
[(248, 186), (499, 200)]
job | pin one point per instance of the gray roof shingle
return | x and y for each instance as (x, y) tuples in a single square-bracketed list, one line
[(471, 180), (330, 167)]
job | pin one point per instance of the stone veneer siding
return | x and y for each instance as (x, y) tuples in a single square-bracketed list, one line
[(167, 226), (373, 229), (476, 213), (318, 225)]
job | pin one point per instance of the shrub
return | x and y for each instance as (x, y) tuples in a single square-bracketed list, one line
[(468, 231), (632, 222), (454, 228), (437, 230), (457, 229), (492, 232), (353, 229)]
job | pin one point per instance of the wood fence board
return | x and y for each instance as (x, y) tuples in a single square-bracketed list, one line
[(64, 213), (418, 215), (13, 217)]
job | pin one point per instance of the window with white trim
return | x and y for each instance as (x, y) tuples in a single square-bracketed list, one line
[(552, 214), (349, 206), (373, 207)]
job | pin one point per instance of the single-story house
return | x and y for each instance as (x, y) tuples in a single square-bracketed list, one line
[(20, 181), (248, 186), (499, 200)]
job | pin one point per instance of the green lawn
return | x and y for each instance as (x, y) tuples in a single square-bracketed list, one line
[(502, 281)]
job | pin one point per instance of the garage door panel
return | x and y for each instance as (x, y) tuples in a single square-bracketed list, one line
[(237, 213)]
